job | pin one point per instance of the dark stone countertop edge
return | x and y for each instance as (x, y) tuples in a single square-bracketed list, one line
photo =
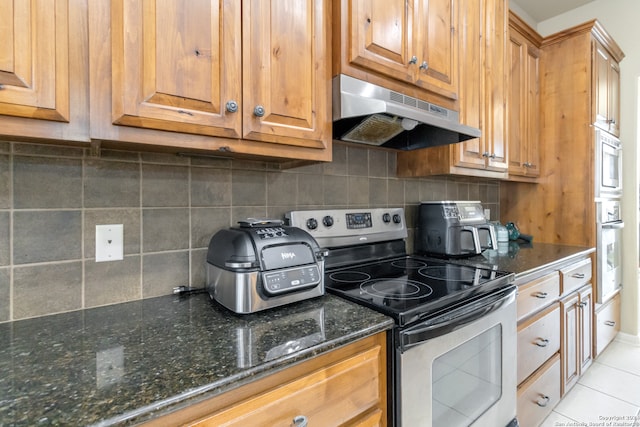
[(527, 276), (202, 393)]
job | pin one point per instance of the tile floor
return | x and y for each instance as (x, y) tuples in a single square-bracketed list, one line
[(608, 394)]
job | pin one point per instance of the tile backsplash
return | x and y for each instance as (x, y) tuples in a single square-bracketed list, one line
[(52, 197)]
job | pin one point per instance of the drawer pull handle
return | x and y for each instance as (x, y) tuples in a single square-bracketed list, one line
[(578, 275), (541, 342), (541, 295), (299, 421), (543, 401), (583, 304), (610, 323)]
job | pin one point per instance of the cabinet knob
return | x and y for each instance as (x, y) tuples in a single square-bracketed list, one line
[(300, 421), (424, 66), (527, 164), (583, 304), (232, 106), (485, 154), (413, 60), (492, 155), (543, 401), (258, 111)]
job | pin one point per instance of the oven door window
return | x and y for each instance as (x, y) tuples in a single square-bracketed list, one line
[(467, 380), (610, 167)]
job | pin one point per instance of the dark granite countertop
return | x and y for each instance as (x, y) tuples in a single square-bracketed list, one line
[(130, 362), (528, 260)]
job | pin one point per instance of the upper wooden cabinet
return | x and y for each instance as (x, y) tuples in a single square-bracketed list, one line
[(523, 101), (252, 74), (482, 38), (606, 71), (412, 41), (42, 69)]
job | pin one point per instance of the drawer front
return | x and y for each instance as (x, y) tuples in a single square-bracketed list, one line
[(539, 394), (607, 323), (329, 396), (575, 275), (537, 294), (538, 340)]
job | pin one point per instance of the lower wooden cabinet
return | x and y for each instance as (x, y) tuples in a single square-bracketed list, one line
[(343, 387), (538, 340), (576, 335), (539, 394), (606, 324)]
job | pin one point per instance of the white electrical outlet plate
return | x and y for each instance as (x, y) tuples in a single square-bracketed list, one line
[(109, 242)]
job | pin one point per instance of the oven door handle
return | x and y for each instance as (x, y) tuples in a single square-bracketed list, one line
[(456, 319), (613, 225)]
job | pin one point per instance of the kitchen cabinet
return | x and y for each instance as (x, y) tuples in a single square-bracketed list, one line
[(346, 386), (247, 77), (576, 340), (606, 323), (607, 89), (523, 101), (482, 101), (538, 339), (412, 41), (43, 75)]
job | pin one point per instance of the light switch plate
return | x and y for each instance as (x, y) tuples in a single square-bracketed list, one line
[(109, 242)]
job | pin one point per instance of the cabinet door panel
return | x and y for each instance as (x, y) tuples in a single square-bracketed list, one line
[(614, 98), (570, 342), (34, 59), (381, 37), (176, 65), (601, 70), (435, 36), (285, 72)]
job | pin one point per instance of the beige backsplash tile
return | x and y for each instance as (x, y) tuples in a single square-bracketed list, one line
[(52, 197)]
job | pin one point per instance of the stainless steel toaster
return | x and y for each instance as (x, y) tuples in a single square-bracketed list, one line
[(261, 264)]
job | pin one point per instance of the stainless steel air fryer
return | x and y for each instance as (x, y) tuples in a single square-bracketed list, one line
[(453, 229)]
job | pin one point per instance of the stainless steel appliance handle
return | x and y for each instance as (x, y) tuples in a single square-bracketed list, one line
[(474, 234), (456, 318), (613, 225), (492, 236)]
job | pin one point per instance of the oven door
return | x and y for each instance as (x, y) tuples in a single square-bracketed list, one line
[(460, 369), (609, 260), (608, 165)]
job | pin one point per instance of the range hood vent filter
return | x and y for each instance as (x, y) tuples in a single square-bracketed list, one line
[(375, 130)]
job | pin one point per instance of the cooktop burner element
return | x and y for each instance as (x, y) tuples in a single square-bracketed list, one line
[(398, 288), (410, 288)]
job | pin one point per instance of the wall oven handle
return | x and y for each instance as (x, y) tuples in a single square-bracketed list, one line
[(456, 318), (613, 225)]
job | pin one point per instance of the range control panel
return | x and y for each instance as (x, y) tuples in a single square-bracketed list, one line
[(342, 227)]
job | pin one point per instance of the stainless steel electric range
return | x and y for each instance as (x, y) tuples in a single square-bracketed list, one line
[(453, 346)]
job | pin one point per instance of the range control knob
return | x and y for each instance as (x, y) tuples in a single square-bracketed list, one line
[(312, 223), (386, 218), (327, 221), (397, 219)]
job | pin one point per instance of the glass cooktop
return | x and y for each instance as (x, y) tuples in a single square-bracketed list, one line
[(412, 288)]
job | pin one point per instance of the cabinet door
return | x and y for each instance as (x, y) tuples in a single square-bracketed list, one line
[(381, 37), (523, 106), (469, 153), (495, 123), (435, 38), (176, 65), (614, 98), (34, 59), (586, 329), (286, 72), (601, 82), (570, 348)]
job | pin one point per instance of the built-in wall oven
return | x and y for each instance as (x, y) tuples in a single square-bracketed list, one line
[(609, 249), (608, 165), (453, 346)]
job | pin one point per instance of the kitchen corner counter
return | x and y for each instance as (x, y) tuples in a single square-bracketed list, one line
[(131, 362), (529, 260)]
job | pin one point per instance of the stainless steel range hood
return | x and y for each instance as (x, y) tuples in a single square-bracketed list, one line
[(370, 114)]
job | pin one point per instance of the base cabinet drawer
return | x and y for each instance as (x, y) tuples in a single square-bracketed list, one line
[(607, 323), (539, 394), (537, 294), (575, 276), (538, 340)]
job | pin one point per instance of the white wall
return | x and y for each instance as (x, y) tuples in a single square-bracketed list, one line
[(621, 18)]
